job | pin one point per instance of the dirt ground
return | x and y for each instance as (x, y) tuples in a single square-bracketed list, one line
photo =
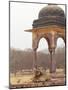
[(27, 79)]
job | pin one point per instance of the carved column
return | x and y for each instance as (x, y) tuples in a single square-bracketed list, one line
[(35, 46), (52, 61), (35, 59), (52, 45)]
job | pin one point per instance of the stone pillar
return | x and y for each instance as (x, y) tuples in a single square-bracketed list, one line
[(52, 62), (35, 59), (52, 45), (37, 72)]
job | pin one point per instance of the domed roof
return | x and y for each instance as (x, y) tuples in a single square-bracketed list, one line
[(50, 15), (51, 10)]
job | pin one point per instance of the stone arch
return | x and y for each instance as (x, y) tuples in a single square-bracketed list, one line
[(61, 39), (36, 41), (43, 42), (60, 49), (42, 37), (63, 36), (35, 45)]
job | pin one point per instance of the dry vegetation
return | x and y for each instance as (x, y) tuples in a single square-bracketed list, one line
[(20, 60), (47, 79), (21, 65)]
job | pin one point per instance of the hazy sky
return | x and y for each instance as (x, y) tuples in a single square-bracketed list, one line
[(21, 18)]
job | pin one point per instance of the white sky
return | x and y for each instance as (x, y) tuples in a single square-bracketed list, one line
[(21, 18)]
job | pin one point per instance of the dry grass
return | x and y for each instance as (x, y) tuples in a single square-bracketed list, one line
[(46, 77)]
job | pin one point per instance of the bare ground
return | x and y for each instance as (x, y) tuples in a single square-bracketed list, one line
[(27, 79)]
